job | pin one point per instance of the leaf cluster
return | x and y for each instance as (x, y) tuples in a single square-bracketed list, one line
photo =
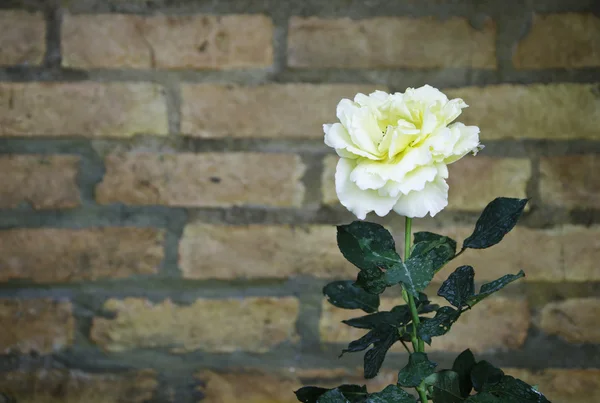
[(371, 248)]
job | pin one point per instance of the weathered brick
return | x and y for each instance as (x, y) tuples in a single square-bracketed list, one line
[(64, 386), (385, 42), (328, 180), (203, 180), (262, 111), (570, 181), (567, 253), (22, 38), (47, 255), (495, 323), (207, 324), (39, 325), (82, 109), (44, 182), (167, 42), (575, 320), (251, 385), (474, 181), (553, 111), (569, 40), (247, 386), (563, 385), (261, 251)]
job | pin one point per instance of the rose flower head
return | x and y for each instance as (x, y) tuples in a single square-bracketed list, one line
[(395, 149)]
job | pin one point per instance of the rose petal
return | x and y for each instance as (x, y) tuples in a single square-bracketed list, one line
[(336, 136), (432, 199), (359, 202)]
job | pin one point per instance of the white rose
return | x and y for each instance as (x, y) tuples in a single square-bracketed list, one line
[(395, 149)]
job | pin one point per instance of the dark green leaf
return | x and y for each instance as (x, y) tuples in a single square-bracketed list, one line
[(418, 368), (391, 394), (489, 288), (463, 364), (397, 317), (445, 387), (427, 257), (483, 398), (509, 390), (310, 394), (332, 396), (373, 282), (438, 325), (374, 336), (344, 294), (374, 357), (483, 373), (459, 287), (496, 220), (367, 245), (439, 249)]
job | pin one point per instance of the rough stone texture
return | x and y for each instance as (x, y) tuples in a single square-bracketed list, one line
[(42, 326), (571, 181), (82, 109), (567, 253), (207, 324), (475, 181), (167, 42), (46, 255), (247, 386), (569, 40), (44, 182), (250, 385), (260, 251), (203, 180), (262, 111), (22, 38), (385, 42), (328, 180), (497, 323), (537, 111), (63, 386), (575, 320), (563, 385)]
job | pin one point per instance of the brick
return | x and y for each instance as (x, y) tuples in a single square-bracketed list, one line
[(22, 38), (476, 181), (262, 111), (247, 386), (328, 180), (387, 42), (44, 182), (167, 42), (553, 112), (473, 181), (570, 181), (37, 325), (82, 109), (563, 385), (207, 324), (47, 255), (495, 323), (203, 180), (566, 253), (251, 385), (569, 40), (71, 386), (580, 316), (261, 251)]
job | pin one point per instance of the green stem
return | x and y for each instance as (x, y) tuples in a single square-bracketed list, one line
[(417, 343)]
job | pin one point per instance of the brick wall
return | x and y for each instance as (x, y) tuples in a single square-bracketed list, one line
[(167, 208)]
